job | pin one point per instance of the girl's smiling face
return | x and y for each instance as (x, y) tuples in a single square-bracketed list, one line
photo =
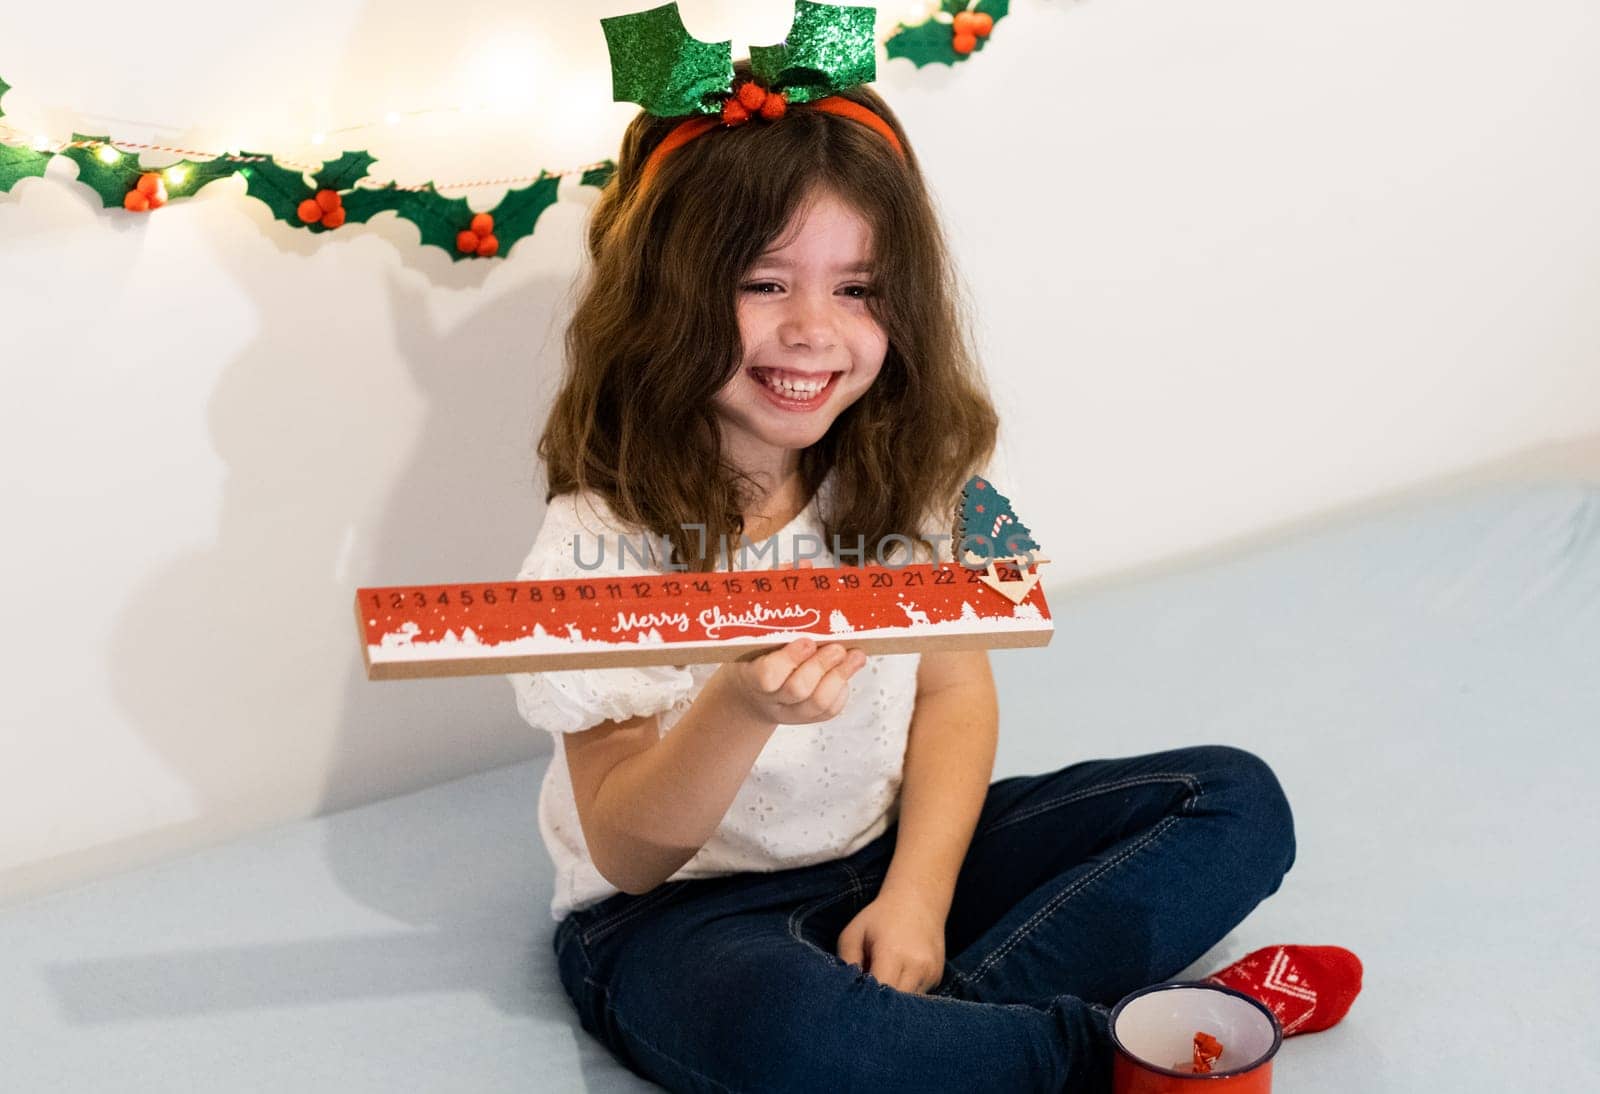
[(811, 343)]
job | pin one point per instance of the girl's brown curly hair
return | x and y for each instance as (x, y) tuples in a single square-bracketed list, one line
[(655, 335)]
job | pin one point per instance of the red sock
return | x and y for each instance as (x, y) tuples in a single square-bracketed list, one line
[(1309, 988)]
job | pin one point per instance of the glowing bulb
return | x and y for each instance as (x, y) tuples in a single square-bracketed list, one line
[(318, 138), (176, 174), (392, 118), (108, 154)]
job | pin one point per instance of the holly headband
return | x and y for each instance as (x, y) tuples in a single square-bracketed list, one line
[(658, 64)]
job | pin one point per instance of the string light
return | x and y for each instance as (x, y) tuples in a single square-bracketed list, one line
[(108, 154)]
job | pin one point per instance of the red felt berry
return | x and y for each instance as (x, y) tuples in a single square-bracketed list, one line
[(483, 224), (733, 113), (329, 200), (751, 95), (310, 211), (135, 201), (982, 23), (964, 43), (488, 246), (466, 241), (333, 218), (776, 105)]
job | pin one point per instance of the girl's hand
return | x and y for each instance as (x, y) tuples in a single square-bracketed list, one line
[(796, 684), (899, 939)]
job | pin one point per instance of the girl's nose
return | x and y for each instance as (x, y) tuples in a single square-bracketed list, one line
[(808, 324)]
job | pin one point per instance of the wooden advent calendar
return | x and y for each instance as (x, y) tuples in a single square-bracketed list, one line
[(679, 618)]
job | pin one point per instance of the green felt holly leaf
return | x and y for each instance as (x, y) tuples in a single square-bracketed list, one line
[(658, 64), (923, 44), (111, 181), (366, 202), (439, 219), (193, 174), (342, 173), (4, 87), (995, 9), (953, 7), (17, 164), (600, 175), (519, 210), (280, 189)]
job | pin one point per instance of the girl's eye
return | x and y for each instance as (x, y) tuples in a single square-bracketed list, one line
[(757, 286)]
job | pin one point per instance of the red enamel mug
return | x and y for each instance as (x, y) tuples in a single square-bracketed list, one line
[(1153, 1032)]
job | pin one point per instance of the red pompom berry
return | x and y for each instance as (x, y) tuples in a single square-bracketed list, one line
[(333, 218), (982, 23), (483, 224), (487, 247), (135, 201), (310, 211), (467, 241), (733, 113), (964, 43), (329, 200), (775, 106), (751, 95)]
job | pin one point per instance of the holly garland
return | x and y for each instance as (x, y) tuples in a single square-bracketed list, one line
[(935, 41), (334, 197)]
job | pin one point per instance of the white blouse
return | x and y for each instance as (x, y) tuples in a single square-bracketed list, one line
[(817, 792)]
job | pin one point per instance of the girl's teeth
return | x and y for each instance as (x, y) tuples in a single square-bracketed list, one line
[(786, 387)]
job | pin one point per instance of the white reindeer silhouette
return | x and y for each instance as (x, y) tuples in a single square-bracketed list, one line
[(913, 613), (574, 634)]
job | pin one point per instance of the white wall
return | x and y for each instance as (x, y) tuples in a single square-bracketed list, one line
[(1241, 266)]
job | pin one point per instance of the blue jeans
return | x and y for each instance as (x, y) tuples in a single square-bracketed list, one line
[(1079, 886)]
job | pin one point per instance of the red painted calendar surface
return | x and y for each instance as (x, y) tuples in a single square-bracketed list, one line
[(683, 618)]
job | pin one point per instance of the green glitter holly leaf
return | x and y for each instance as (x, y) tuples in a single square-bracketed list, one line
[(342, 173), (829, 47), (111, 181), (17, 164), (519, 210), (280, 189), (658, 64)]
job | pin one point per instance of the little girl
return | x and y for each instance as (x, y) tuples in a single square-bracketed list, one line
[(793, 872)]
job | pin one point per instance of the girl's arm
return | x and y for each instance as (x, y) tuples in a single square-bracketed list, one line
[(949, 761), (648, 802)]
